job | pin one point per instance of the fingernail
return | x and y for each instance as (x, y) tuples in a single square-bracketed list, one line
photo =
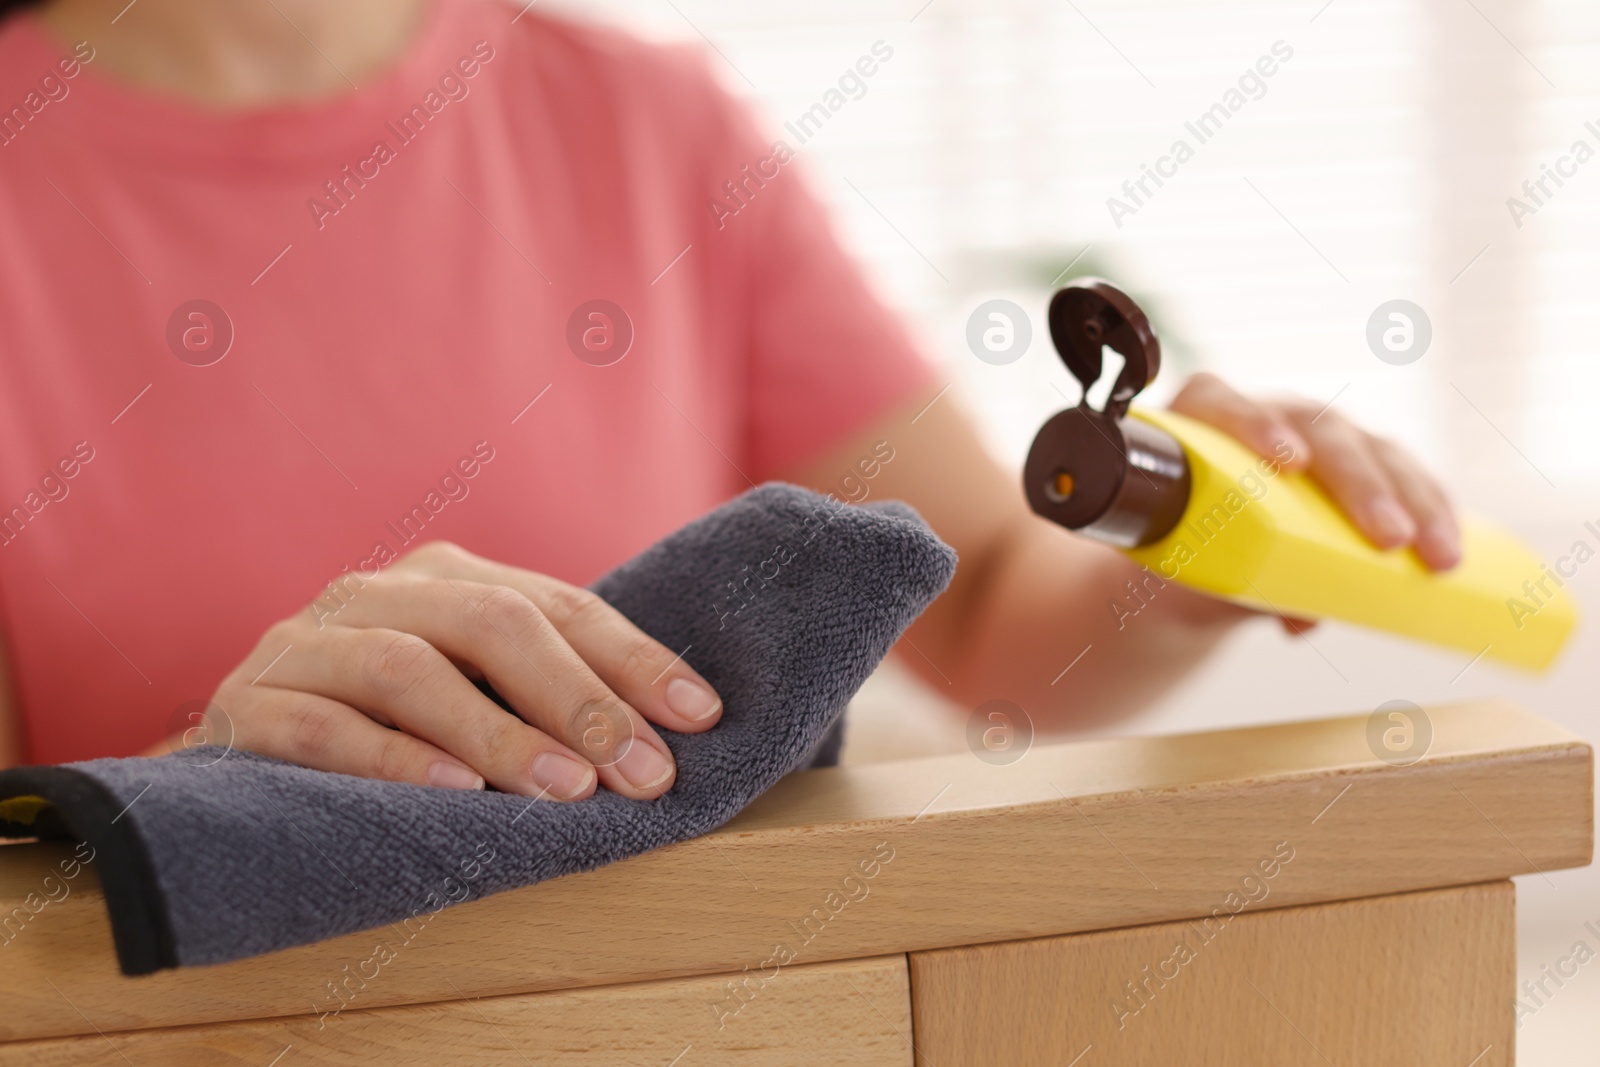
[(691, 700), (560, 775), (1391, 524), (644, 765), (1440, 542), (453, 776)]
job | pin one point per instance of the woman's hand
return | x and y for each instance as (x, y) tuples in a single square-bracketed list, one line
[(378, 681), (1385, 492)]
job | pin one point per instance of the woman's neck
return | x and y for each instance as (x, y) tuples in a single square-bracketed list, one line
[(240, 53)]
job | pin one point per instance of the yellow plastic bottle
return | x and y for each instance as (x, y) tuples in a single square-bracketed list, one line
[(1196, 506)]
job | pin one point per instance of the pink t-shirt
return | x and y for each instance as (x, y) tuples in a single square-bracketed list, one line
[(242, 352)]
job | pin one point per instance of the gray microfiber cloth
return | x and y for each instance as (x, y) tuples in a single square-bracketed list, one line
[(785, 600)]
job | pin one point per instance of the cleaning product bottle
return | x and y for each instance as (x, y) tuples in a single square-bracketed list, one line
[(1196, 506)]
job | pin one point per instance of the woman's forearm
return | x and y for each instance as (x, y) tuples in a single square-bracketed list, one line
[(1072, 631), (1028, 598)]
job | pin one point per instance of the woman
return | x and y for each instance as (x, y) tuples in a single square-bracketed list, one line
[(297, 297)]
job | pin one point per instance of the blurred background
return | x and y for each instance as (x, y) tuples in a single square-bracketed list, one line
[(1376, 163)]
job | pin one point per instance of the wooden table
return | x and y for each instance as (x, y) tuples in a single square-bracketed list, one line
[(1274, 895)]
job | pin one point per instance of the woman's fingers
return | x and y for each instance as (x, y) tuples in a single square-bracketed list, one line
[(402, 651), (1347, 464), (1262, 427), (401, 680), (652, 678), (326, 735), (1389, 497), (1438, 539), (1351, 472), (502, 635), (643, 671)]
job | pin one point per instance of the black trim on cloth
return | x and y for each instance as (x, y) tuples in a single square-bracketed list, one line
[(83, 809)]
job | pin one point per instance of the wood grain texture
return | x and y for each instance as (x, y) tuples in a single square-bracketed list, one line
[(1412, 980), (851, 1014), (1072, 838)]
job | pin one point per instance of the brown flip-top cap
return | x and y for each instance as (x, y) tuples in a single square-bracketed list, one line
[(1118, 480)]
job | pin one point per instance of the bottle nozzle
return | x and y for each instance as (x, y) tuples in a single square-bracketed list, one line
[(1121, 481), (1124, 482)]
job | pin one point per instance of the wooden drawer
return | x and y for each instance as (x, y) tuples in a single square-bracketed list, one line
[(851, 1014), (1412, 980)]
